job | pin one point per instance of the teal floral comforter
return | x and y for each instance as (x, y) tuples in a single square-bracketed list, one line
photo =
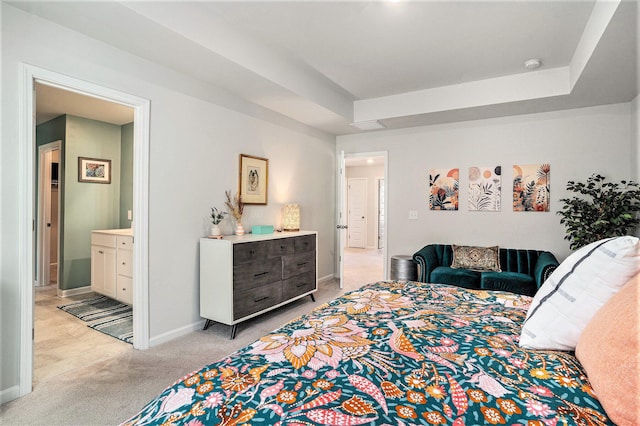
[(390, 353)]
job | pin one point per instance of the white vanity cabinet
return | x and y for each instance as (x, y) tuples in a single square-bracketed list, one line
[(112, 264), (245, 276)]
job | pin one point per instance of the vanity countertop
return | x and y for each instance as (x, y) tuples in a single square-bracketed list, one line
[(126, 231)]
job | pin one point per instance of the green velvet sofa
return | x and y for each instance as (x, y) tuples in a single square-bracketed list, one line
[(522, 271)]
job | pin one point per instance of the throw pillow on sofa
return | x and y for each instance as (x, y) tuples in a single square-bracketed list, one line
[(573, 293), (476, 258)]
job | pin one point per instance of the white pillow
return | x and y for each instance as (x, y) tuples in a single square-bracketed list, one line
[(576, 290)]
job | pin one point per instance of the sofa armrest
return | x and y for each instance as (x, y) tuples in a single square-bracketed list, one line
[(427, 259), (546, 264)]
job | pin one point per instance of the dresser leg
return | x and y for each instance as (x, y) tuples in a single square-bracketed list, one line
[(234, 328), (313, 299), (206, 324)]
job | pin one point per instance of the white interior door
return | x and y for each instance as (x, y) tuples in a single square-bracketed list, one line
[(380, 210), (341, 227), (357, 209), (48, 214)]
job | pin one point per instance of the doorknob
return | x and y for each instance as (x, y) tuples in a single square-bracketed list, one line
[(341, 227), (48, 225)]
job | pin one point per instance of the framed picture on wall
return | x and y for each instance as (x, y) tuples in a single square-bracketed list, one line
[(94, 170), (253, 179)]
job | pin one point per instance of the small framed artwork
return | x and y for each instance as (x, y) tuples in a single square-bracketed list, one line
[(94, 170), (254, 172)]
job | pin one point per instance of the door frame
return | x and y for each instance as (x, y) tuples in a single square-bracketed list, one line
[(341, 203), (378, 180), (29, 74), (44, 244)]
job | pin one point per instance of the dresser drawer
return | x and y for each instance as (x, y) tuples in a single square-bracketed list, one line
[(255, 300), (298, 285), (305, 243), (124, 260), (281, 247), (249, 275), (248, 252), (297, 264)]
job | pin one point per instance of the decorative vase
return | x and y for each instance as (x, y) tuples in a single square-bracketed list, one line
[(239, 229), (215, 229)]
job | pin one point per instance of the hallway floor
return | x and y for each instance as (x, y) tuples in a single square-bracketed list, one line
[(362, 266), (63, 342)]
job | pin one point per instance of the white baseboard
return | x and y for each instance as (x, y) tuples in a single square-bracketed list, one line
[(326, 278), (173, 334), (9, 394), (74, 291)]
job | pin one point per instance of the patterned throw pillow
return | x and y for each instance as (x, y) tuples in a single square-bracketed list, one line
[(476, 258), (575, 291)]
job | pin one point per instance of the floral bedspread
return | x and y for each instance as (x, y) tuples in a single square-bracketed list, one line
[(390, 353)]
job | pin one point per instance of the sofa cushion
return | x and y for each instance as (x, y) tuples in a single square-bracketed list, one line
[(460, 277), (508, 281), (476, 258)]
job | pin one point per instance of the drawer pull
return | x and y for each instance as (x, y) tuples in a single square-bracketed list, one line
[(302, 264), (281, 248), (252, 252), (123, 263), (100, 251), (261, 299), (301, 285), (260, 274)]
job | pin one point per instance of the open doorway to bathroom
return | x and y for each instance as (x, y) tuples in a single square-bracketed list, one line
[(365, 200), (70, 125)]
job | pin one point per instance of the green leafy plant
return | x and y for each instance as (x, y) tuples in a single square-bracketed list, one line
[(602, 210), (216, 215)]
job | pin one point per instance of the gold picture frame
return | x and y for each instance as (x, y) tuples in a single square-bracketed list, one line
[(94, 170), (254, 183)]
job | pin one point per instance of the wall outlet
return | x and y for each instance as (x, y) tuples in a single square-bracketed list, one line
[(413, 214), (129, 215)]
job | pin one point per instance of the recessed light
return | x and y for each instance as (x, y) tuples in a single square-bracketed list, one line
[(532, 64)]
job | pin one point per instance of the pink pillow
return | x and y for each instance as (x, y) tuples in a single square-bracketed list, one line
[(609, 351)]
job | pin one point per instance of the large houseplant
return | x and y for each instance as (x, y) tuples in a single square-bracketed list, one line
[(602, 209)]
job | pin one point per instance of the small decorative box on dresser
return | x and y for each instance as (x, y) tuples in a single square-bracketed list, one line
[(112, 264), (245, 276)]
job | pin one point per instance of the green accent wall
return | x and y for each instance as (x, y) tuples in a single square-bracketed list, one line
[(87, 206), (126, 174)]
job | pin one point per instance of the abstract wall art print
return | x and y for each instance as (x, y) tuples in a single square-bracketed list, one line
[(444, 184), (485, 188), (531, 187)]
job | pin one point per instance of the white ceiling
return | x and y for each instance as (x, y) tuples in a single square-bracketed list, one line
[(329, 64)]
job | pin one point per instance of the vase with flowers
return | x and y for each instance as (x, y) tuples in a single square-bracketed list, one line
[(216, 217), (235, 207)]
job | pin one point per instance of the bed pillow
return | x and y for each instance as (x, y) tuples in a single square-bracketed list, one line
[(608, 349), (476, 258), (575, 291)]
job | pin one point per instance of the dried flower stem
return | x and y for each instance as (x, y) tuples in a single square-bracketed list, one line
[(235, 206)]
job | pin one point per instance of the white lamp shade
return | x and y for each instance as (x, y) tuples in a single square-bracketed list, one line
[(291, 217)]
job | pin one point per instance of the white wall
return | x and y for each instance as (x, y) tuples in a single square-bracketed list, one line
[(576, 143), (194, 149), (370, 173), (635, 137)]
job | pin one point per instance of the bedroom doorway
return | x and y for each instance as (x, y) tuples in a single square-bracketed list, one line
[(28, 212), (362, 259)]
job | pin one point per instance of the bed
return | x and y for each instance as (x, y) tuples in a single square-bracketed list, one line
[(389, 353)]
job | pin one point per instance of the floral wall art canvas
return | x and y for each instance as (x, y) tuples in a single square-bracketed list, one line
[(485, 188), (531, 187), (444, 184)]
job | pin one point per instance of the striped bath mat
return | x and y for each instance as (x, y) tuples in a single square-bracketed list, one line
[(105, 315)]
